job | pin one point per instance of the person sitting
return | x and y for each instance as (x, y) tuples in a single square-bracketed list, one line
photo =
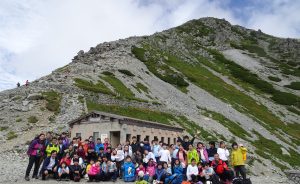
[(112, 173), (140, 168), (129, 170), (168, 172), (192, 171), (178, 171), (201, 176), (160, 174), (221, 169), (63, 172), (94, 172), (50, 165), (147, 156), (238, 160), (80, 160), (70, 150), (141, 176), (81, 152), (150, 170), (101, 152), (88, 167), (208, 172), (75, 170), (66, 159)]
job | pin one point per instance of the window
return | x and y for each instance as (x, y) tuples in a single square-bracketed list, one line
[(174, 140), (78, 134), (138, 138), (155, 138), (95, 136), (147, 137), (169, 140), (162, 139), (128, 137)]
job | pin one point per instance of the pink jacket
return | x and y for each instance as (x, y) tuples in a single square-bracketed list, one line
[(151, 170), (204, 153), (139, 169), (94, 170)]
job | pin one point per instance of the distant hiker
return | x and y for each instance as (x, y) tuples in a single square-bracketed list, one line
[(27, 83), (18, 84), (237, 160)]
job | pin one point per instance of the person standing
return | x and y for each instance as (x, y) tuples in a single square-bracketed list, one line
[(164, 154), (237, 159), (35, 152), (223, 152), (18, 84)]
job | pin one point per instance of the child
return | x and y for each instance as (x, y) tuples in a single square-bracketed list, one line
[(63, 172), (150, 170), (129, 170), (178, 171), (160, 174), (94, 172), (141, 169), (112, 171), (201, 176), (202, 152), (168, 172), (66, 159), (88, 167), (141, 179), (208, 172), (192, 171)]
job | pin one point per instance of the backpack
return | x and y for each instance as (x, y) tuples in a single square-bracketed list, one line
[(241, 181)]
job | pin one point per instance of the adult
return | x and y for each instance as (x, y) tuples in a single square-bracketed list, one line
[(223, 152), (203, 155), (135, 145), (156, 149), (98, 145), (164, 154), (192, 154), (185, 142), (221, 169), (52, 147), (35, 152), (211, 151), (50, 166), (237, 159)]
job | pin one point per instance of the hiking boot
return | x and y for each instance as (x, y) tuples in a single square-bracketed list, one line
[(36, 177), (27, 178)]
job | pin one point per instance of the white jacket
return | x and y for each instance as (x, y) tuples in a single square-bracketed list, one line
[(223, 154), (191, 170)]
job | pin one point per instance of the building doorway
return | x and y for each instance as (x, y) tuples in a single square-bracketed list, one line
[(114, 138)]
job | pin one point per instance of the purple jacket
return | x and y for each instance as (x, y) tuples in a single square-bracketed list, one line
[(36, 148), (204, 153)]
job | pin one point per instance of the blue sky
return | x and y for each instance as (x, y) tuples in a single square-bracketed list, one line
[(37, 37)]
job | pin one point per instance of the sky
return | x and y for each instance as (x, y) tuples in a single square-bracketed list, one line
[(36, 37)]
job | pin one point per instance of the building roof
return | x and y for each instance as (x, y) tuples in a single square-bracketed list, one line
[(128, 120)]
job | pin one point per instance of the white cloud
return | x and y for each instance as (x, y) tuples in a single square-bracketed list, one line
[(38, 36)]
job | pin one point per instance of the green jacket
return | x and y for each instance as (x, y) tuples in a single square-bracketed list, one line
[(50, 148), (192, 155)]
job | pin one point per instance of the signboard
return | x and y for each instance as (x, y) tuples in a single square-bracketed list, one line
[(103, 136)]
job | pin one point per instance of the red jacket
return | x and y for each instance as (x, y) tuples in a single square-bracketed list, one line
[(219, 167)]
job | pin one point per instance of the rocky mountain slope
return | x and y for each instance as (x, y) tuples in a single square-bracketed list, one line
[(229, 82)]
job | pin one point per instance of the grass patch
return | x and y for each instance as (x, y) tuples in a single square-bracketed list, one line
[(234, 127), (275, 79), (81, 99), (11, 135), (99, 87), (53, 99), (127, 72), (294, 110), (120, 88), (294, 85), (32, 119), (3, 128), (139, 113), (19, 120), (161, 70), (141, 87), (269, 149)]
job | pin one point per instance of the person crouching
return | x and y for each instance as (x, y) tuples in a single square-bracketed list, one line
[(50, 166)]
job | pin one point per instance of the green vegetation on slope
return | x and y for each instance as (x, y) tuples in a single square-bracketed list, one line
[(99, 87), (32, 119), (141, 87), (206, 80), (11, 135), (269, 149), (234, 127), (119, 87), (275, 79), (161, 70), (53, 99), (127, 72), (294, 85)]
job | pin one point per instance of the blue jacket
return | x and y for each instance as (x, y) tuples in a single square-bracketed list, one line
[(98, 146), (178, 169), (147, 147), (129, 171), (47, 162), (159, 173)]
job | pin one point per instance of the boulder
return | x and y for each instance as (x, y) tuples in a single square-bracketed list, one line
[(35, 96)]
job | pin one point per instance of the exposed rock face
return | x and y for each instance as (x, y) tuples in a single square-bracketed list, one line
[(153, 84)]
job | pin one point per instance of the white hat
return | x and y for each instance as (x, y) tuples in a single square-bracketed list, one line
[(141, 174)]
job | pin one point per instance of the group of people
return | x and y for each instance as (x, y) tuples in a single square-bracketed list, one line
[(144, 162)]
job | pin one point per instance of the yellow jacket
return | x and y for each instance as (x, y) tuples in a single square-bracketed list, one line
[(237, 156), (50, 148)]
